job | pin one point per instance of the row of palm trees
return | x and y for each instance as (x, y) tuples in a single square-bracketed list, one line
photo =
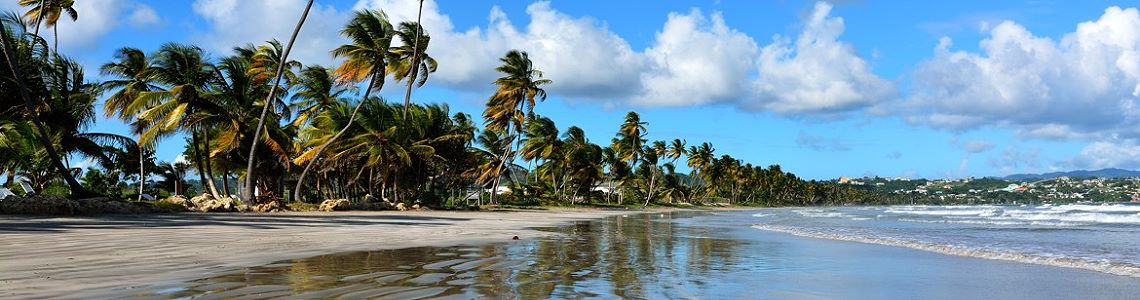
[(257, 123)]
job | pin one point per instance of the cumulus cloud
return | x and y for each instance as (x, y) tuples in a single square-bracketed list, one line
[(1083, 86), (816, 74), (696, 60), (821, 143), (240, 22)]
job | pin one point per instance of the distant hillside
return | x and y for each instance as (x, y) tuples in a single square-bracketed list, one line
[(1106, 173)]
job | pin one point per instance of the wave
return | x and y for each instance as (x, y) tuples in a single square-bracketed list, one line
[(1110, 267)]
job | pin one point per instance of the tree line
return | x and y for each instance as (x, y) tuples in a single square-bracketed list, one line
[(262, 127)]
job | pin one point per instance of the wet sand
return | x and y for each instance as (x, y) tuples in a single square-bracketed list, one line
[(670, 255), (91, 256)]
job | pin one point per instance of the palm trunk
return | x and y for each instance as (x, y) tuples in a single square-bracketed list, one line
[(198, 160), (76, 189), (652, 178), (142, 171), (209, 166), (351, 118), (415, 61), (55, 38), (247, 193)]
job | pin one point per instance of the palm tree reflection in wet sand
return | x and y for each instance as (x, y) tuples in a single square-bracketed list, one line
[(635, 256)]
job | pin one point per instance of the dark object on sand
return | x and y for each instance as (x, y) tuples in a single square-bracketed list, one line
[(515, 238)]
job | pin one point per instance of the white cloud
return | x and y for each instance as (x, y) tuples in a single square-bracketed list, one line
[(816, 74), (96, 19), (976, 146), (143, 15), (1085, 86), (235, 23), (696, 60), (1108, 154)]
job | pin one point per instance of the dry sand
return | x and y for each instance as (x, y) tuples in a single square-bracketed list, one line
[(87, 257)]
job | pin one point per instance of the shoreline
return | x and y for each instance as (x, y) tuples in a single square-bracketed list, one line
[(81, 257)]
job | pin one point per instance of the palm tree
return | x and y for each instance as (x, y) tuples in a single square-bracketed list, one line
[(28, 54), (131, 76), (416, 48), (247, 193), (514, 100), (629, 141), (700, 159), (189, 78), (651, 157), (676, 150), (316, 90), (365, 58), (50, 11)]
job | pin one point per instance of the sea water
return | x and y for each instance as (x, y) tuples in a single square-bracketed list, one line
[(1103, 238)]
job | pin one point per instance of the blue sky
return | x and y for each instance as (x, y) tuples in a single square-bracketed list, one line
[(930, 89)]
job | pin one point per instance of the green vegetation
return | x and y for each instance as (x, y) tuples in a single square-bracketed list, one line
[(999, 191), (256, 121)]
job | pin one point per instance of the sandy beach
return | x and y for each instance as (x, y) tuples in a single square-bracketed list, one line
[(83, 257)]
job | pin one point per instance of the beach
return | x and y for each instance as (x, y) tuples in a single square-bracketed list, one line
[(656, 254), (79, 257)]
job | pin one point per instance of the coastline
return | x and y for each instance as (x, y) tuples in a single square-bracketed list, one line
[(81, 257)]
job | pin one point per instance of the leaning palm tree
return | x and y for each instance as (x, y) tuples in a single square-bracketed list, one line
[(49, 11), (413, 60), (16, 51), (514, 100), (628, 142), (366, 58), (131, 76), (247, 193)]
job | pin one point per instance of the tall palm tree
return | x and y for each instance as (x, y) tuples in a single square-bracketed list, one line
[(700, 159), (366, 58), (651, 158), (10, 44), (130, 76), (419, 61), (514, 99), (49, 11), (676, 150), (247, 193), (189, 77), (628, 142)]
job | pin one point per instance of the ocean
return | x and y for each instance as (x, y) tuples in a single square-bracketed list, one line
[(1103, 238)]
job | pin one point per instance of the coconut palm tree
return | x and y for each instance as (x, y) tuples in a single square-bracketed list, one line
[(247, 193), (412, 57), (629, 141), (130, 76), (188, 77), (700, 159), (652, 156), (22, 52), (513, 100), (366, 58), (49, 11), (316, 90)]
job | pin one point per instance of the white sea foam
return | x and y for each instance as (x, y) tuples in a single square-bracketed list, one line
[(1117, 268)]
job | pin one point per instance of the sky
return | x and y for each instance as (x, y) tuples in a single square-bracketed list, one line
[(931, 89)]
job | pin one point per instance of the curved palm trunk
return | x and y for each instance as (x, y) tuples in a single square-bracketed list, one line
[(247, 191), (76, 189), (351, 118), (415, 60), (652, 178)]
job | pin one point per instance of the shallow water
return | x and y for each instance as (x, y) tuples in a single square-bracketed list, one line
[(656, 256)]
